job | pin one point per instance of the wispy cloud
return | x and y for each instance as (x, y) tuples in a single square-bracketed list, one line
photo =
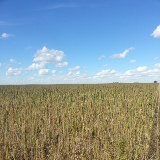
[(2, 23), (75, 68), (61, 6), (155, 58), (69, 73), (6, 23), (121, 55), (101, 57), (105, 65), (156, 32), (5, 35), (12, 61), (17, 23), (132, 61)]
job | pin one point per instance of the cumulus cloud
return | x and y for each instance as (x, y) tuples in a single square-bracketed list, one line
[(72, 71), (104, 73), (154, 72), (142, 70), (61, 64), (157, 65), (76, 77), (5, 35), (132, 61), (121, 55), (36, 66), (46, 55), (139, 74), (156, 32), (75, 68), (15, 72), (142, 74), (43, 72), (101, 57)]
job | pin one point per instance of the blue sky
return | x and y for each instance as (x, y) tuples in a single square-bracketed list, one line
[(79, 41)]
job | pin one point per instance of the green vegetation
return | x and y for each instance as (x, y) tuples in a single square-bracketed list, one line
[(112, 121)]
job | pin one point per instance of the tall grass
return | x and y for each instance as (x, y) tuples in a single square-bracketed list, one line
[(112, 121)]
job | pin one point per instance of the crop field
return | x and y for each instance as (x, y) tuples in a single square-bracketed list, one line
[(105, 121)]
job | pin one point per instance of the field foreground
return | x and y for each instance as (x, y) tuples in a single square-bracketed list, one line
[(107, 121)]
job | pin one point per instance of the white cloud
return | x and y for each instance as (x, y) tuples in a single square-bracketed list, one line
[(69, 73), (132, 61), (36, 66), (5, 35), (43, 72), (53, 71), (78, 73), (157, 65), (154, 73), (76, 77), (31, 78), (46, 55), (62, 64), (101, 57), (0, 64), (156, 32), (15, 72), (103, 72), (156, 58), (141, 68), (75, 68), (12, 61), (122, 55), (138, 72), (106, 73)]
